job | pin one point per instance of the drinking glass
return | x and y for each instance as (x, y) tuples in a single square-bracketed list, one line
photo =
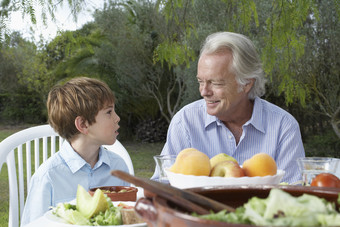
[(312, 166), (163, 162)]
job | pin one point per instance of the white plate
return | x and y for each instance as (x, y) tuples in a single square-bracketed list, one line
[(55, 221), (189, 181)]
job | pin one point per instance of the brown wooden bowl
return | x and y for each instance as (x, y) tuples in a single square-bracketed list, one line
[(115, 195), (157, 211)]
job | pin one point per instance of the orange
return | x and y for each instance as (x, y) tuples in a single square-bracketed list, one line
[(191, 161), (260, 164)]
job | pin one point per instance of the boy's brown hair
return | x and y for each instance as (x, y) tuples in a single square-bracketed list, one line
[(80, 96)]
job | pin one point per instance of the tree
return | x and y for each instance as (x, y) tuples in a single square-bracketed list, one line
[(319, 69), (28, 8), (133, 31), (17, 102)]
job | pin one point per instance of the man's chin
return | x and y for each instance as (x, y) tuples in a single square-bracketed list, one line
[(211, 112)]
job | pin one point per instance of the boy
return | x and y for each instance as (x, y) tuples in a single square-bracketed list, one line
[(82, 112)]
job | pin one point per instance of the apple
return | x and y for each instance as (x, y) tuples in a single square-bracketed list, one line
[(89, 205), (221, 158), (227, 169)]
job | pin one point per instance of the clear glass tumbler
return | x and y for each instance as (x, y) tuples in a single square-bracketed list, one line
[(163, 162), (312, 166)]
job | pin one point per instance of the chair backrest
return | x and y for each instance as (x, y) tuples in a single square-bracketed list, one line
[(17, 151)]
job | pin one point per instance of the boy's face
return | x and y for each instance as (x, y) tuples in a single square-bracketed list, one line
[(105, 130)]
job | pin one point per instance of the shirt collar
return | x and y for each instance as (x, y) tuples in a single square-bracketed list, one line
[(75, 162), (256, 118)]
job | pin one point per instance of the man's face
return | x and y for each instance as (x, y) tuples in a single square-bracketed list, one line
[(218, 86)]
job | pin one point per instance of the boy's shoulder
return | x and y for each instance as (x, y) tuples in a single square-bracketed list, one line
[(53, 162), (113, 159)]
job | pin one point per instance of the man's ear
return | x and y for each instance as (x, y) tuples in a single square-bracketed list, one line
[(81, 125), (249, 85)]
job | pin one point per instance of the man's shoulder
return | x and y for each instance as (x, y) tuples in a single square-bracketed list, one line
[(275, 110), (192, 111), (196, 106)]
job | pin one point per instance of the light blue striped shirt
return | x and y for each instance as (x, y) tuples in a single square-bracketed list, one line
[(271, 130), (57, 179)]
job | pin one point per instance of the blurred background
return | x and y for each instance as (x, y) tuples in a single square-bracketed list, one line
[(146, 51)]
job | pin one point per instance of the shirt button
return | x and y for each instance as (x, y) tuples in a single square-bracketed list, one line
[(230, 137)]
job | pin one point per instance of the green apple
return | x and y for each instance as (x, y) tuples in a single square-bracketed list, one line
[(89, 205), (221, 158), (227, 169)]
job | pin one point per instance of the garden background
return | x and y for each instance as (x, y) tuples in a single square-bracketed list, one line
[(147, 50)]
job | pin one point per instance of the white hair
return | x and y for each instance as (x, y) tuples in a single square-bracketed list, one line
[(246, 64)]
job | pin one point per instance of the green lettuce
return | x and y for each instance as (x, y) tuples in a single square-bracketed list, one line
[(282, 209), (70, 214)]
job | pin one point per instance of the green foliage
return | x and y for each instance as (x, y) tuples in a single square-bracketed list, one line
[(147, 52), (285, 44), (21, 107), (324, 145), (19, 102), (174, 54)]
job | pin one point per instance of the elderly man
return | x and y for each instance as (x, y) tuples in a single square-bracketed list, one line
[(232, 118)]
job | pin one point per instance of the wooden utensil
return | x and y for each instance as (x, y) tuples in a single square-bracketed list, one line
[(189, 200)]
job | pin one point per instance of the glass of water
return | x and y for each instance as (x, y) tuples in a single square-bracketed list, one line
[(312, 166), (163, 162)]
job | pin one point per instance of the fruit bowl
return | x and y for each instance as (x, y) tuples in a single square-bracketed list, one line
[(118, 193), (189, 181)]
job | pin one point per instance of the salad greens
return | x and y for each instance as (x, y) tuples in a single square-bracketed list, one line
[(69, 213), (282, 209)]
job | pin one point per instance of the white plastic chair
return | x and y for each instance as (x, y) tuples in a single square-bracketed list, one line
[(17, 149)]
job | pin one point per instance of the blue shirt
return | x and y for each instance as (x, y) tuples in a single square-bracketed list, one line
[(271, 130), (57, 179)]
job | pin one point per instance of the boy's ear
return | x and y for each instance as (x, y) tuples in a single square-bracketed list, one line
[(81, 124)]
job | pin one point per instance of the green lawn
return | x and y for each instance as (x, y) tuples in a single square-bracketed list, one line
[(141, 155)]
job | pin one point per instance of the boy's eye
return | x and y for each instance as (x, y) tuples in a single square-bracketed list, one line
[(109, 112)]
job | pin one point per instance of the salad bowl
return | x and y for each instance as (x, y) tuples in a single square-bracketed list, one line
[(157, 211)]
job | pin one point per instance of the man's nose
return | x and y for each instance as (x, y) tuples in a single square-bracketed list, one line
[(205, 89)]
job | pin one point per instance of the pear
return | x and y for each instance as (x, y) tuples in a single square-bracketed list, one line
[(222, 157), (89, 205)]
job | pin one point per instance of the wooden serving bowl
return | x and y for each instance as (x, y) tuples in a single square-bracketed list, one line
[(115, 193), (157, 211)]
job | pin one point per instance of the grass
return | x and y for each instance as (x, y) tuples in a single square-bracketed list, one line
[(141, 155)]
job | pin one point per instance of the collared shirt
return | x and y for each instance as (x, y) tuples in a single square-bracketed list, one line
[(57, 179), (271, 130)]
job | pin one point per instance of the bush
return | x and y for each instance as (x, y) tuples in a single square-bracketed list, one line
[(323, 145), (152, 131), (22, 108)]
